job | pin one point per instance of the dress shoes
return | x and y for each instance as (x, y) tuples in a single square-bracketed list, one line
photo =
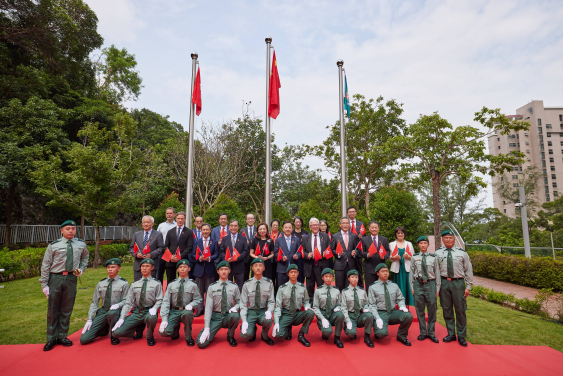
[(421, 337), (288, 336), (268, 340), (449, 338), (368, 341), (232, 341), (462, 342), (175, 334), (49, 346), (405, 341), (190, 342), (138, 335), (151, 342), (253, 337), (434, 339), (65, 342), (115, 341), (338, 342), (301, 339), (324, 337)]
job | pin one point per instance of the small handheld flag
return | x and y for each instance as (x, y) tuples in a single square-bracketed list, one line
[(330, 236), (382, 251), (206, 252), (372, 250), (178, 254), (339, 249), (354, 228), (395, 251), (243, 233), (146, 249), (360, 246), (408, 251), (362, 230), (167, 255), (280, 255), (135, 249), (300, 250), (328, 253), (317, 254), (266, 249), (197, 253)]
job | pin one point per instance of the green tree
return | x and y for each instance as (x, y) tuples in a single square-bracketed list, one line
[(171, 201), (531, 179), (154, 129), (226, 205)]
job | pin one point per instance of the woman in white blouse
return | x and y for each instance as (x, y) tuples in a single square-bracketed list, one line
[(401, 254)]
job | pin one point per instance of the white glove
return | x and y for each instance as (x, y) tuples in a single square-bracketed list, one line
[(275, 330), (404, 309), (379, 323), (163, 326), (117, 324), (79, 274), (326, 324), (152, 311), (268, 315), (204, 335), (115, 306), (337, 309), (46, 291), (308, 309), (234, 309), (365, 310), (244, 327), (189, 307), (349, 326), (87, 326)]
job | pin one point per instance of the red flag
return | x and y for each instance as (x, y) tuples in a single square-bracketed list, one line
[(317, 254), (206, 252), (167, 255), (280, 255), (197, 253), (266, 249), (360, 246), (330, 236), (408, 251), (339, 249), (362, 230), (258, 251), (228, 254), (135, 249), (300, 250), (193, 233), (382, 251), (328, 252), (372, 250), (395, 251), (196, 95), (274, 95), (354, 227), (234, 255), (243, 233), (223, 233), (146, 249), (178, 254)]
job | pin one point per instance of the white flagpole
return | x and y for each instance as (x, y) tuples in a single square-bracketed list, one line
[(189, 199), (268, 199)]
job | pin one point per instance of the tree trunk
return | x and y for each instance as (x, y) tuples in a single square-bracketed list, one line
[(436, 207), (367, 200), (9, 204), (82, 227), (97, 251)]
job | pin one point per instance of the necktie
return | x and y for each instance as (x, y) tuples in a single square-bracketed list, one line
[(198, 234), (204, 243), (179, 232), (292, 301), (250, 233), (233, 243), (257, 297), (143, 294), (69, 256), (224, 299), (346, 240), (146, 240), (357, 307), (388, 306), (180, 297), (450, 263), (107, 300), (315, 247), (354, 226), (424, 268), (287, 242), (328, 308), (375, 241)]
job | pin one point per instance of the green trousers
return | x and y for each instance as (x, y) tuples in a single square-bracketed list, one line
[(425, 296), (102, 324), (359, 320), (452, 297), (174, 318), (395, 317), (253, 318), (336, 319), (62, 292), (219, 321), (134, 320), (288, 320)]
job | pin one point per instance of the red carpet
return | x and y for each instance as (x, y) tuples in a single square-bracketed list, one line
[(174, 357)]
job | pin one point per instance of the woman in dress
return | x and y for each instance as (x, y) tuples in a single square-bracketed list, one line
[(299, 232), (263, 247), (401, 254)]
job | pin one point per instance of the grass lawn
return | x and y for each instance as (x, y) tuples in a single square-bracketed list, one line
[(23, 311)]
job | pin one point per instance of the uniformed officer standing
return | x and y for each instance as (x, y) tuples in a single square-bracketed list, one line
[(65, 260), (258, 295), (326, 305), (425, 288), (382, 296), (291, 296), (355, 308), (457, 277), (112, 290), (145, 295), (221, 305), (181, 296)]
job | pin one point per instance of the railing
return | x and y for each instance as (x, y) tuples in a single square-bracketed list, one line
[(49, 233), (535, 251), (458, 239)]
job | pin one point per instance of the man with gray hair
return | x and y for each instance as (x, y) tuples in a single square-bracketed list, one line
[(146, 244), (163, 228), (315, 261)]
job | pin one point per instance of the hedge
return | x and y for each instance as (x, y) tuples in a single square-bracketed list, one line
[(538, 272), (25, 263)]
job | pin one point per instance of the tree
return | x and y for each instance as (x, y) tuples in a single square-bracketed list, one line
[(531, 178), (435, 150), (154, 129), (171, 201), (227, 205)]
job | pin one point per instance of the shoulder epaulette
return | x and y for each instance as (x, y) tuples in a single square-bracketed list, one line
[(53, 242), (346, 288), (361, 287), (214, 283), (103, 279), (266, 279), (300, 284), (82, 240), (123, 279), (231, 282), (245, 282)]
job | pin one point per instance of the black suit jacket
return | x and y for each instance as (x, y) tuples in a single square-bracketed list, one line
[(186, 243), (346, 257), (322, 244), (241, 246), (248, 240), (156, 246), (373, 261), (358, 227)]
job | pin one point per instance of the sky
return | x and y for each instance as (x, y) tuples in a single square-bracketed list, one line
[(453, 57)]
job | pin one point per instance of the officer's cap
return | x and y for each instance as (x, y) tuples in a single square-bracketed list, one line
[(223, 264), (291, 266), (422, 238), (380, 266), (447, 232), (257, 260), (182, 262), (352, 272), (326, 271), (147, 261), (113, 261), (68, 223)]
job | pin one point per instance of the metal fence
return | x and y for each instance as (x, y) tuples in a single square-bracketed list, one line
[(48, 233), (535, 251)]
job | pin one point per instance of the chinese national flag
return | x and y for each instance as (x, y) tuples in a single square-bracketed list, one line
[(395, 251), (328, 253), (266, 250), (382, 251), (274, 95), (135, 249), (197, 253), (167, 255), (206, 252), (146, 249), (193, 233), (243, 233), (362, 230), (317, 254), (196, 95), (408, 251), (280, 255), (300, 250), (339, 249), (372, 250), (178, 255)]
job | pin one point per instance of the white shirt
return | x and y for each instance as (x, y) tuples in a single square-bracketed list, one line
[(248, 229), (313, 242), (164, 227), (205, 242)]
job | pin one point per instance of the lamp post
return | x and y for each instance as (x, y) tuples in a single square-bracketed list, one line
[(550, 224), (524, 214)]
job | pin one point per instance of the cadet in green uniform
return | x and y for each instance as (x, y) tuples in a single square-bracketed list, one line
[(326, 305), (221, 305), (181, 296), (258, 295), (114, 287), (382, 296), (291, 296), (145, 296), (457, 277), (65, 260), (355, 308), (425, 288)]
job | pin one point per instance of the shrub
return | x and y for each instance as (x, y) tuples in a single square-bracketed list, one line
[(528, 306)]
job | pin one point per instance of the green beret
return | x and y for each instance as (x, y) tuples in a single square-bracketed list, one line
[(352, 272), (380, 266), (147, 260), (291, 266), (68, 223), (182, 262), (223, 264), (422, 238), (326, 271), (447, 232), (257, 260), (113, 261)]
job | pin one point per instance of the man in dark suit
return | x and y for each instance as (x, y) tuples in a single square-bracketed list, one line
[(220, 232), (249, 232), (178, 237), (346, 260), (155, 242), (204, 267), (312, 267), (372, 261), (230, 242), (357, 228), (287, 245)]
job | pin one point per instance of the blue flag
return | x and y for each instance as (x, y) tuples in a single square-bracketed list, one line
[(346, 98)]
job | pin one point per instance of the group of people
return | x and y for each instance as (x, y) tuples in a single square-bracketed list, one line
[(261, 276)]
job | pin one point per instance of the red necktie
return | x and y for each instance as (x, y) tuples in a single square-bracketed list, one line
[(315, 247)]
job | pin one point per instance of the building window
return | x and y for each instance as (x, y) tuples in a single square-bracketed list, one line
[(561, 143), (549, 143), (550, 151), (539, 121), (543, 163), (499, 147), (539, 130), (545, 181), (553, 176), (541, 138), (515, 168), (555, 194), (551, 160), (547, 198), (552, 168), (546, 189), (548, 134), (515, 184), (498, 138), (505, 210), (504, 202), (554, 184), (548, 126), (542, 154), (560, 119), (514, 176), (541, 147), (544, 172)]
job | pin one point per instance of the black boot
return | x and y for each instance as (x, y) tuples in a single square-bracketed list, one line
[(232, 341), (462, 341), (65, 342), (176, 333), (449, 338), (367, 340), (190, 342), (49, 346), (288, 336), (338, 342), (301, 339)]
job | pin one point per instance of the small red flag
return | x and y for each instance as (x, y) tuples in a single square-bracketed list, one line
[(339, 249), (395, 251), (354, 227), (408, 251), (167, 255), (193, 233), (266, 249), (274, 95), (197, 253), (328, 252), (330, 236), (317, 254), (243, 233), (178, 254), (258, 251), (206, 252), (372, 250), (196, 95), (146, 249), (135, 249), (223, 233), (362, 230), (280, 255), (360, 246), (300, 250), (234, 255), (382, 251)]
